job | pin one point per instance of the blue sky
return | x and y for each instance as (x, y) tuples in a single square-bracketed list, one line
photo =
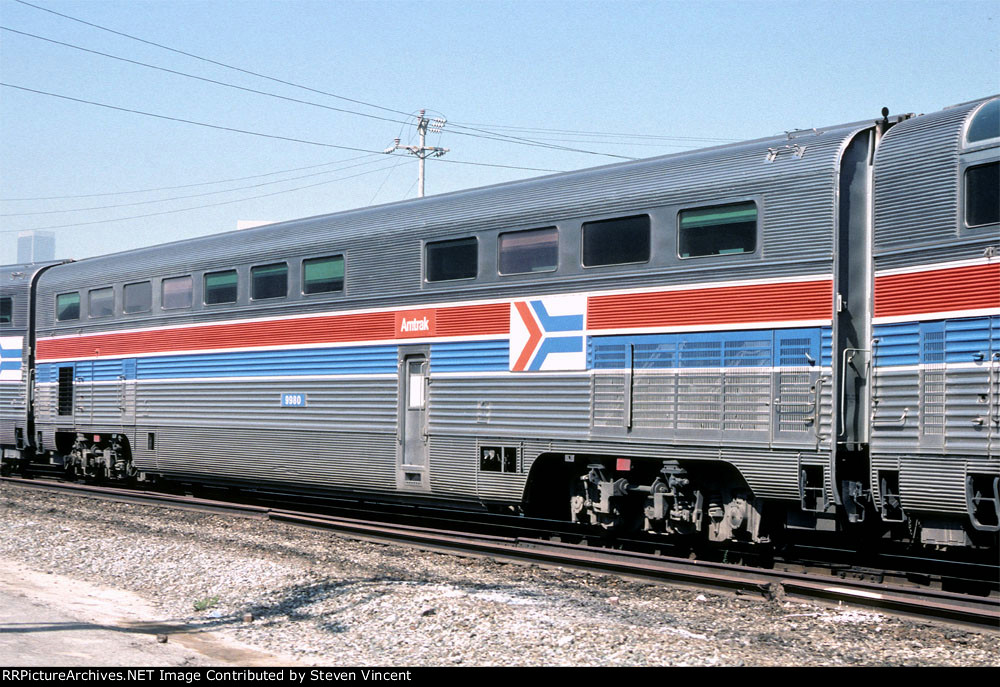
[(658, 77)]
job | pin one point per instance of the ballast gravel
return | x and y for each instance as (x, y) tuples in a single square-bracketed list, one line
[(323, 599)]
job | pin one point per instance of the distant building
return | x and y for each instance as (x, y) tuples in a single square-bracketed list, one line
[(36, 246)]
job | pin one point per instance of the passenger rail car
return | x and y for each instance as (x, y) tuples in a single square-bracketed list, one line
[(798, 332)]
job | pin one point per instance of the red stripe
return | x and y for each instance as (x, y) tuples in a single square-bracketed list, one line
[(945, 290), (812, 300), (456, 321)]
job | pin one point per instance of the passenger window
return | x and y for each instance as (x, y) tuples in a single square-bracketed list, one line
[(101, 302), (616, 241), (221, 287), (985, 124), (177, 292), (534, 250), (718, 230), (457, 259), (982, 194), (138, 297), (68, 306), (6, 310), (269, 281), (323, 275)]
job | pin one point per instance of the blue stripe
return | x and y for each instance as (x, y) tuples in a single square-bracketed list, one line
[(330, 361), (750, 348), (470, 356), (964, 340)]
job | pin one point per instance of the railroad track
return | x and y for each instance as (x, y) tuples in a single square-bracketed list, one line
[(911, 601)]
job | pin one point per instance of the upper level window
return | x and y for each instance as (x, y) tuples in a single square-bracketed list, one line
[(534, 250), (68, 306), (616, 241), (101, 302), (456, 259), (6, 310), (323, 275), (221, 287), (269, 281), (718, 230), (176, 292), (985, 123), (138, 297), (982, 194)]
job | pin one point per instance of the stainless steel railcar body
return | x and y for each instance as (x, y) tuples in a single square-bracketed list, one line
[(707, 312), (17, 284), (935, 443)]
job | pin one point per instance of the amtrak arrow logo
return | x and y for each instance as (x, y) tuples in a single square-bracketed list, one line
[(547, 334)]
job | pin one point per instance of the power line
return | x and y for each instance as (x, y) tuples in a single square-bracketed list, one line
[(210, 61), (492, 136), (704, 139), (194, 195), (188, 121), (255, 133), (469, 127), (201, 78), (195, 207), (174, 188)]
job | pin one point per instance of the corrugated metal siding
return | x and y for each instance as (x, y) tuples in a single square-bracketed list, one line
[(936, 408), (917, 180), (516, 406), (354, 405), (15, 283), (335, 460)]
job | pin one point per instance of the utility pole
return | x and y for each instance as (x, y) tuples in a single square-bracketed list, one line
[(422, 151)]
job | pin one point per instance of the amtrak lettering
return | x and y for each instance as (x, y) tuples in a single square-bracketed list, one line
[(414, 323)]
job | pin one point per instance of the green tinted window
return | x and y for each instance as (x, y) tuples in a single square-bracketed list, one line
[(220, 287), (717, 230), (68, 306), (322, 275), (6, 310)]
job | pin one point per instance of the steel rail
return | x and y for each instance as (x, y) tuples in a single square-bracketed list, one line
[(919, 602)]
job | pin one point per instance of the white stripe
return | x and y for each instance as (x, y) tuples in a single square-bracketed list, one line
[(712, 327), (943, 315), (980, 365), (972, 262)]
